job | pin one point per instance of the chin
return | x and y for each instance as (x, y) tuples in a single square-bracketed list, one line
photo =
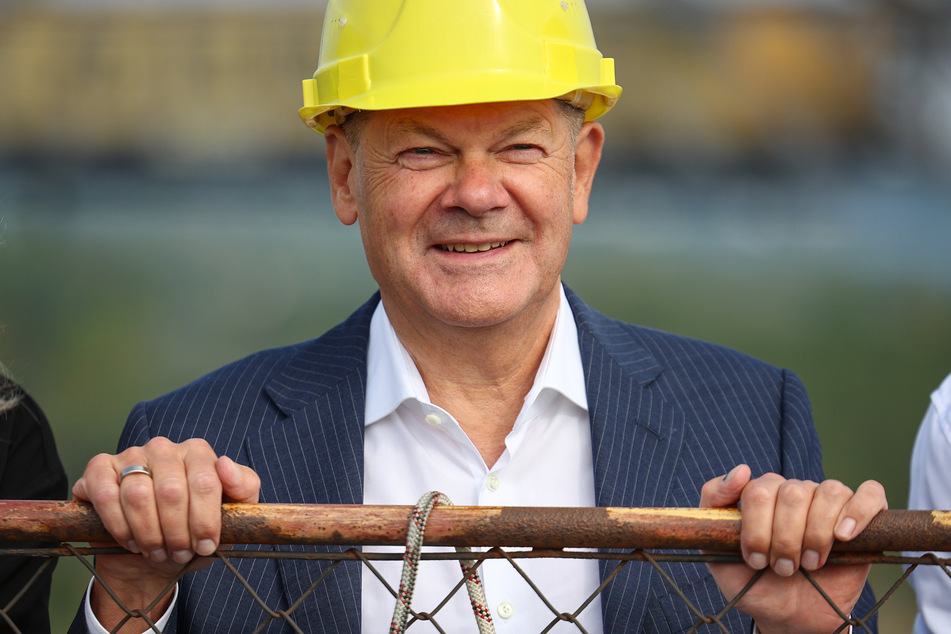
[(481, 310), (476, 317)]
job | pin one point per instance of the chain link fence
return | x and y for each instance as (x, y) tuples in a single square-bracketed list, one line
[(621, 537)]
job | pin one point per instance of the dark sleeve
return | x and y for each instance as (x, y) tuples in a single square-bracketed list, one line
[(30, 469)]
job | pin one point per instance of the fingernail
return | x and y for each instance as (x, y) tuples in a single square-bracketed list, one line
[(845, 529), (809, 560), (757, 561), (158, 555), (182, 556), (206, 547), (132, 546), (730, 475), (784, 567)]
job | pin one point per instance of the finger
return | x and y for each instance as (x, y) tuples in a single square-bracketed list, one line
[(830, 498), (137, 501), (869, 500), (725, 491), (99, 485), (204, 504), (758, 502), (790, 516), (240, 483), (171, 490)]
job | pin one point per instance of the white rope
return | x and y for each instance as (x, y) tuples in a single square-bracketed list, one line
[(414, 545)]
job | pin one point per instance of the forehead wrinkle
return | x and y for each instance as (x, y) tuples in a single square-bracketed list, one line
[(533, 123)]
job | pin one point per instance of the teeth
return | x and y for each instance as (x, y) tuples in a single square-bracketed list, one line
[(472, 248)]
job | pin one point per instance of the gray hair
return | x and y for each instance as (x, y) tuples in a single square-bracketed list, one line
[(9, 392)]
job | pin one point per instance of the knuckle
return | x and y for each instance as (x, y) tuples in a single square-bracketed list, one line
[(177, 540), (203, 528), (149, 541), (206, 483), (159, 443), (106, 497), (874, 487), (137, 495), (171, 491), (757, 492), (783, 544), (197, 445), (835, 487), (796, 493), (99, 461)]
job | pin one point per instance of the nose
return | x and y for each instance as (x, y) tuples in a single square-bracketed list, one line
[(477, 186)]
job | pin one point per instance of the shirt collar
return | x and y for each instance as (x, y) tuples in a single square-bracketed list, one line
[(392, 376)]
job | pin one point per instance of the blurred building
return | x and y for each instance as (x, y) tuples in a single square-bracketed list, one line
[(734, 82)]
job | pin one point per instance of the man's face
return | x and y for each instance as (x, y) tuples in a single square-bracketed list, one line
[(465, 212)]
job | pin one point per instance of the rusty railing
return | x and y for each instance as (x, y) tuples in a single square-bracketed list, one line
[(655, 537)]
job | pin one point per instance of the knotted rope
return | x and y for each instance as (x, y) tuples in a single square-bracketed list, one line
[(414, 545)]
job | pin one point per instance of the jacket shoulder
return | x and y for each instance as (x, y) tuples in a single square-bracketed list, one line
[(631, 343)]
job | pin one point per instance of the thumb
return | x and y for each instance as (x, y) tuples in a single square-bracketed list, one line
[(238, 482), (725, 491), (79, 490)]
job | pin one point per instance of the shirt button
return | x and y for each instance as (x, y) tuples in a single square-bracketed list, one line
[(433, 420), (506, 610), (493, 482)]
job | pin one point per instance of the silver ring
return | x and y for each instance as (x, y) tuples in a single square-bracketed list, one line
[(136, 468)]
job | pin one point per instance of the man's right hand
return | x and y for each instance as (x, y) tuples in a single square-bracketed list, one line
[(167, 517)]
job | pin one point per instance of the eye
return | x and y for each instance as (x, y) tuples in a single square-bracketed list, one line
[(524, 152), (420, 158)]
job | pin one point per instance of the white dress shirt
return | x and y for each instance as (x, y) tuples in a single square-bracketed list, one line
[(413, 446), (931, 489)]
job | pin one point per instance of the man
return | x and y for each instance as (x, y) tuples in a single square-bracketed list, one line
[(461, 139)]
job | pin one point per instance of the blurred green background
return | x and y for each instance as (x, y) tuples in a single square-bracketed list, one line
[(775, 181)]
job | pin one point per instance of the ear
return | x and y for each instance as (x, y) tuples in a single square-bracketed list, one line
[(340, 168), (587, 156)]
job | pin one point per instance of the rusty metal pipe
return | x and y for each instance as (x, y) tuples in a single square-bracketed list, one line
[(541, 527)]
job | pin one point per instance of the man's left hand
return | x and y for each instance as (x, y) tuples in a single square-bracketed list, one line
[(788, 525)]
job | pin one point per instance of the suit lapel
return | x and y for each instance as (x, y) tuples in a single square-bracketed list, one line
[(315, 456), (636, 436)]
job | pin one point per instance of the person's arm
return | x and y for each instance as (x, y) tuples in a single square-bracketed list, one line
[(31, 470), (788, 524), (930, 489), (167, 517)]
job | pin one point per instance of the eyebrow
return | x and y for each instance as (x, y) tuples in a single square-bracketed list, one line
[(410, 126), (534, 123)]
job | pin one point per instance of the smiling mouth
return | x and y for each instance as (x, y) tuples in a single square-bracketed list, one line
[(472, 248)]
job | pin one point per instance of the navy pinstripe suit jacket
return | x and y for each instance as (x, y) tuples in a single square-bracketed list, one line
[(667, 414)]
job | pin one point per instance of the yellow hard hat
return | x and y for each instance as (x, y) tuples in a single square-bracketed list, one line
[(386, 54)]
